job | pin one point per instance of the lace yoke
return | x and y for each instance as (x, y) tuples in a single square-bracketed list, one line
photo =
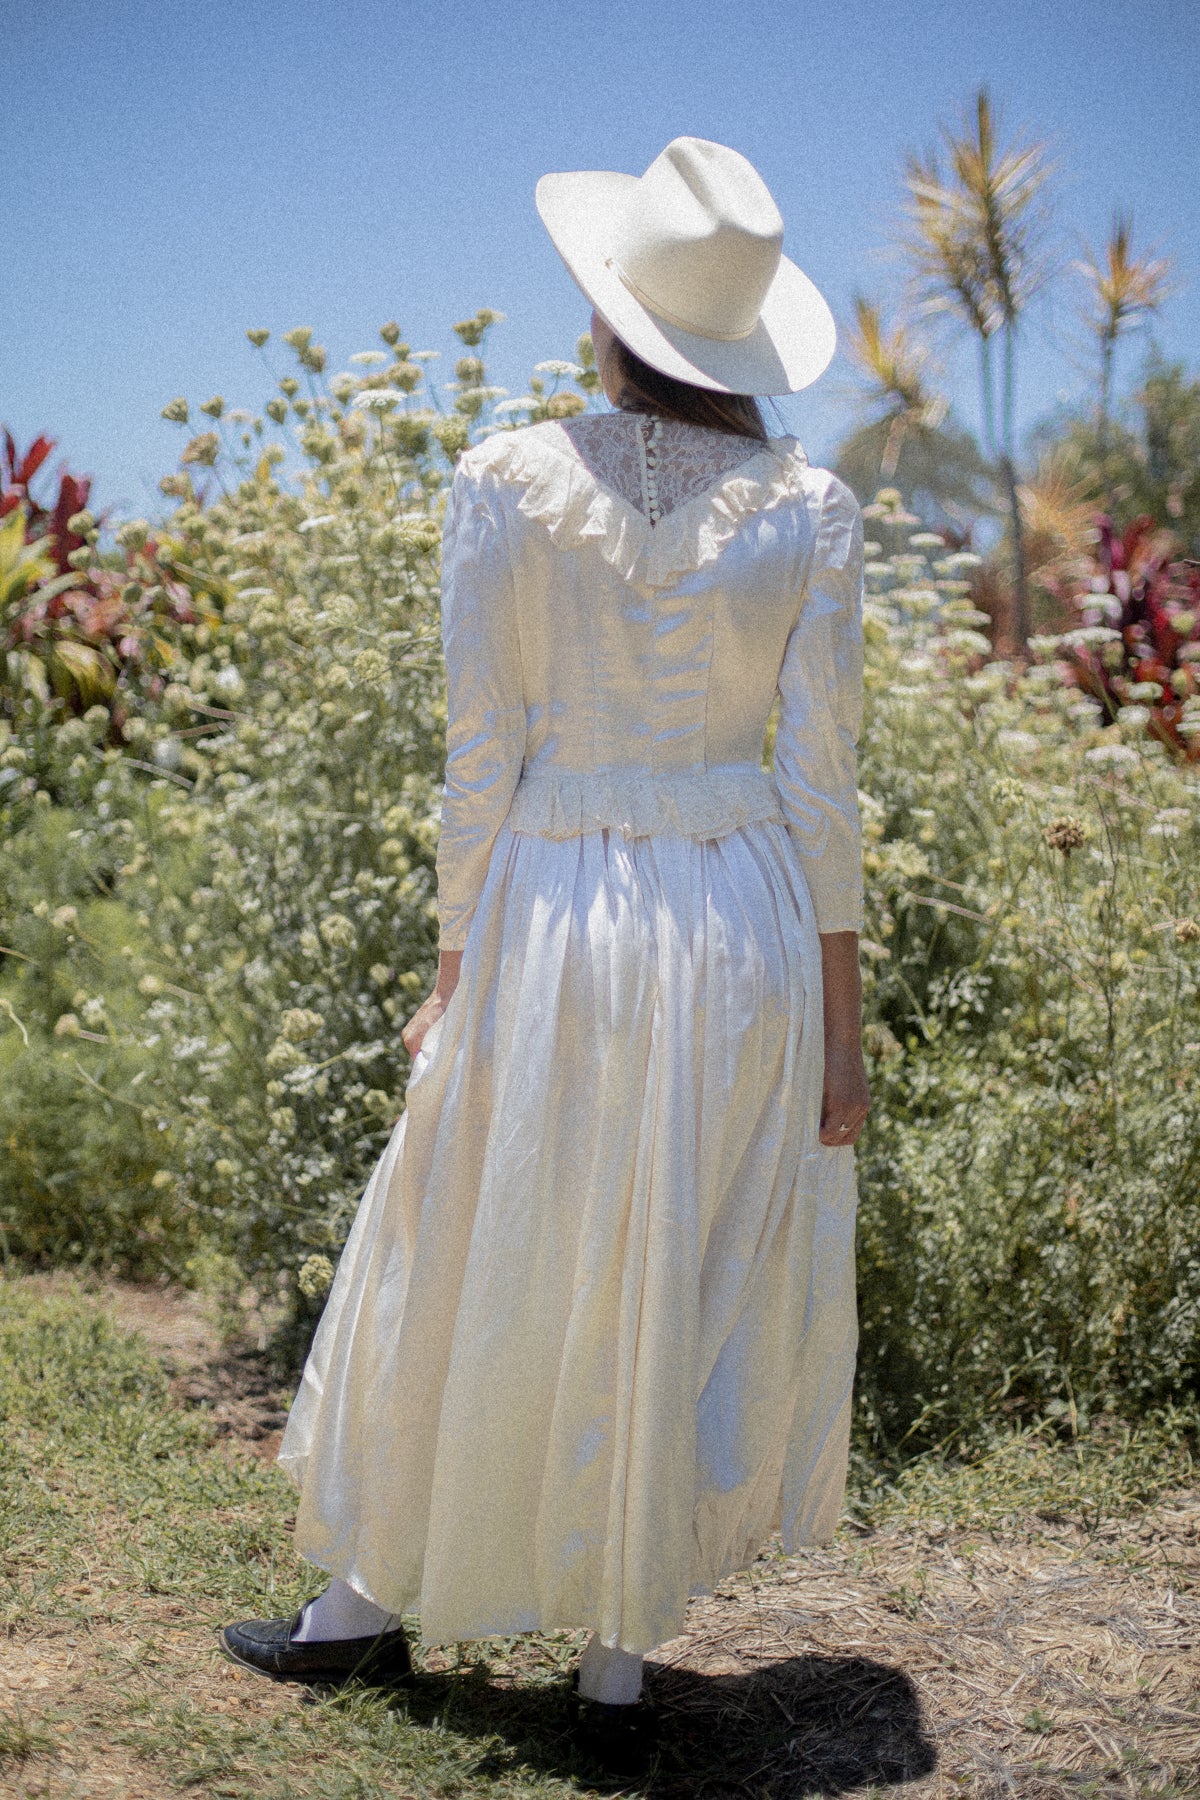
[(653, 463)]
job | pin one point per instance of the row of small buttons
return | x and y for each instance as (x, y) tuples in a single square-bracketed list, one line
[(649, 439)]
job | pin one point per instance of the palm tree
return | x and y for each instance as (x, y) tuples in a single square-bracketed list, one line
[(975, 238), (895, 366), (906, 438), (1123, 290)]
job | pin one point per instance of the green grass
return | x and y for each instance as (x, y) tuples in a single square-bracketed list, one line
[(1033, 1475), (128, 1535), (104, 1484)]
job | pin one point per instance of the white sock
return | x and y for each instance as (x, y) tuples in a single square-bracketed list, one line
[(614, 1676), (341, 1613)]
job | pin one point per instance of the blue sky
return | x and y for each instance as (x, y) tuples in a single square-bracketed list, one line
[(174, 174)]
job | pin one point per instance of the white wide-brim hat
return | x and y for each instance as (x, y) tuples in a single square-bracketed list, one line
[(686, 264)]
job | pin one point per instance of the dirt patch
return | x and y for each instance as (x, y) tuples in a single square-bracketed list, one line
[(177, 1322), (232, 1378), (1038, 1665), (70, 1681)]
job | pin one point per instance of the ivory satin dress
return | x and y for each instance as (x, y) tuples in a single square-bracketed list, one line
[(591, 1339)]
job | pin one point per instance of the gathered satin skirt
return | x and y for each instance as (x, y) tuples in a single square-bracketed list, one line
[(591, 1339)]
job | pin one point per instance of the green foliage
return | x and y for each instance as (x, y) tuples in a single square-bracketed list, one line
[(939, 471), (83, 1173), (1031, 1171), (1146, 460), (221, 1063)]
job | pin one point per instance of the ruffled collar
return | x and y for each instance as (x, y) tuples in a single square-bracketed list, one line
[(565, 496)]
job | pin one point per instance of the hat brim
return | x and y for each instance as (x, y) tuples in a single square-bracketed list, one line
[(791, 345)]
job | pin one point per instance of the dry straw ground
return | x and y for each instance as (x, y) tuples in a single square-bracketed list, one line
[(1006, 1630)]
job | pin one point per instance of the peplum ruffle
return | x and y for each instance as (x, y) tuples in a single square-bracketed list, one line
[(701, 803)]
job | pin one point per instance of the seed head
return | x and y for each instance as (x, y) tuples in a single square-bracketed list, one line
[(1065, 833)]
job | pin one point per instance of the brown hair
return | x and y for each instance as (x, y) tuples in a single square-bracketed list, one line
[(643, 389)]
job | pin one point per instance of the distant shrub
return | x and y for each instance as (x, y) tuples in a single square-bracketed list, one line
[(1031, 1168), (260, 838)]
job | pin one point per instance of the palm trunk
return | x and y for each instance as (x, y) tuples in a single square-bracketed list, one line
[(1021, 621), (989, 405), (1107, 344)]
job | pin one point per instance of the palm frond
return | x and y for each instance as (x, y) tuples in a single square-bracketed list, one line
[(976, 232), (1122, 288), (895, 365)]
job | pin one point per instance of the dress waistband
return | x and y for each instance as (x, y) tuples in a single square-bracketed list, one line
[(695, 803)]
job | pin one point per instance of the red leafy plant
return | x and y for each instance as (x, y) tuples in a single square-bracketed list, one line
[(1138, 642), (49, 523), (75, 630)]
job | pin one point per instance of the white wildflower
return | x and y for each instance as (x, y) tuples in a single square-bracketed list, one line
[(1107, 605), (298, 1024), (167, 753), (1084, 636), (315, 1277), (368, 358), (972, 643), (566, 370), (376, 399), (1111, 755), (133, 534), (1170, 820), (337, 931), (372, 667), (1017, 743)]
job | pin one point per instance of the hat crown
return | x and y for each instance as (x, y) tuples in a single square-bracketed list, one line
[(701, 239)]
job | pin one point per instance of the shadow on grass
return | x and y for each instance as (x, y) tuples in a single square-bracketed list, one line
[(810, 1725)]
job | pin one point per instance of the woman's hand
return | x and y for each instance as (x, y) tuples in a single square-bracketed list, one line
[(845, 1097), (435, 1004)]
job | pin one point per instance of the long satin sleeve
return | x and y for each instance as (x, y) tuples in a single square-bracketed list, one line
[(485, 724), (821, 703)]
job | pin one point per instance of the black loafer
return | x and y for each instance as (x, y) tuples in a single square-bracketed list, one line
[(266, 1646), (619, 1739)]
